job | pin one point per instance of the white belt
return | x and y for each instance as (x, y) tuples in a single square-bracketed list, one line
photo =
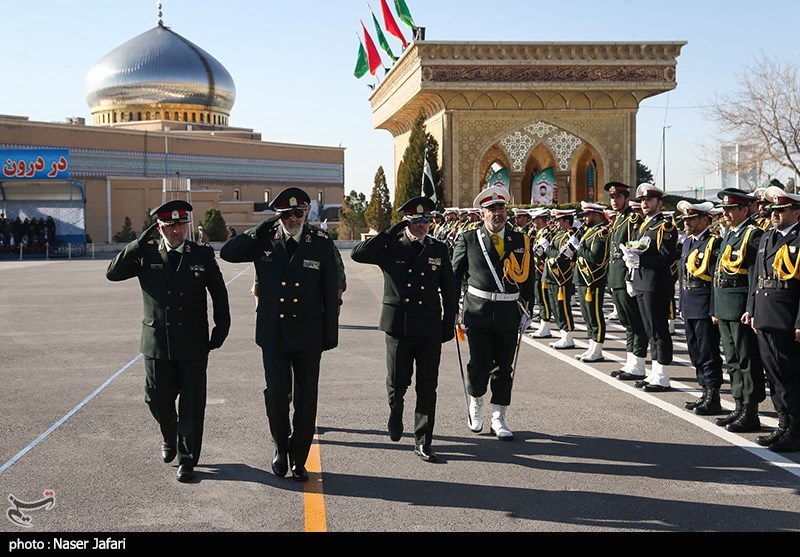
[(493, 296)]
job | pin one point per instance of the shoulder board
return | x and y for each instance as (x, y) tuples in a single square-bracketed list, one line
[(318, 231)]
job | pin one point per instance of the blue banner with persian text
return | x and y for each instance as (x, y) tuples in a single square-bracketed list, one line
[(34, 164)]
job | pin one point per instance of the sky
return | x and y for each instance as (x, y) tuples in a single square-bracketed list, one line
[(293, 62)]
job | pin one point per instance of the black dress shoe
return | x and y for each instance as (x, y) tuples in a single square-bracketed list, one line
[(168, 452), (280, 464), (616, 373), (640, 384), (185, 473), (656, 389), (299, 473), (425, 453), (625, 376), (395, 425)]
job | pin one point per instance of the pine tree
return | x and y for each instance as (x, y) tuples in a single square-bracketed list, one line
[(127, 234), (214, 225), (379, 210), (351, 215)]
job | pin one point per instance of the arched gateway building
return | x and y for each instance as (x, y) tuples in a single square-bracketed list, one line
[(160, 109), (526, 107)]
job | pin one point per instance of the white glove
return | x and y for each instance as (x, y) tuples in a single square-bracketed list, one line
[(567, 251), (574, 242), (544, 243), (538, 251), (631, 260), (629, 288)]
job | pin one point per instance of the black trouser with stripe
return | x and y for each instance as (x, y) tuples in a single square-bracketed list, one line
[(562, 309), (165, 382), (654, 308), (631, 318), (591, 299), (741, 349), (401, 355), (780, 355)]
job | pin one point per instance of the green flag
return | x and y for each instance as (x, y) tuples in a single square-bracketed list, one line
[(403, 13), (362, 65), (382, 38)]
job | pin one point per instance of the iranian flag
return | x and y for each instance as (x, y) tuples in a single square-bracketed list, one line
[(373, 56), (390, 23)]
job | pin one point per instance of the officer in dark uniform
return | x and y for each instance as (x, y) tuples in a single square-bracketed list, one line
[(559, 266), (420, 302), (540, 234), (625, 227), (775, 314), (699, 255), (493, 262), (297, 319), (652, 259), (174, 275), (591, 268), (735, 270)]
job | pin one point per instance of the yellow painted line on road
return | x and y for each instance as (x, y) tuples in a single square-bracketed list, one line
[(314, 498)]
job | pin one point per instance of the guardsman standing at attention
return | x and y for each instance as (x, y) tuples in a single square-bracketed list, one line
[(699, 255), (176, 276), (559, 266), (493, 262), (775, 314), (297, 318), (420, 303), (761, 217), (540, 236), (625, 227), (735, 270), (522, 220), (654, 254), (591, 268)]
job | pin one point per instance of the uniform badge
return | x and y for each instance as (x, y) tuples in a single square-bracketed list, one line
[(267, 253), (156, 266), (293, 201), (197, 268), (308, 238), (668, 236), (309, 264), (196, 274), (187, 248)]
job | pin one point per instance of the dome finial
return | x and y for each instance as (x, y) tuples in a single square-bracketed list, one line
[(160, 20)]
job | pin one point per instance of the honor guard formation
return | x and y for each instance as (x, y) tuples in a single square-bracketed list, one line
[(730, 270)]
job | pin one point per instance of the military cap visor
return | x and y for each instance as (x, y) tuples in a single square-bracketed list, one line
[(732, 197), (172, 212), (418, 206)]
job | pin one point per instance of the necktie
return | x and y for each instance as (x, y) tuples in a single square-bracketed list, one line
[(291, 246), (174, 259), (497, 242)]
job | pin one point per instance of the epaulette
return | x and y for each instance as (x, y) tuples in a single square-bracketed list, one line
[(320, 232)]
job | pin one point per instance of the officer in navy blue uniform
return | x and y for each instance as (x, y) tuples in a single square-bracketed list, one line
[(175, 274), (418, 315), (775, 314), (297, 318), (493, 262), (699, 255)]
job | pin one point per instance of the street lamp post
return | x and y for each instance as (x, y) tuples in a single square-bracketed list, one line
[(664, 157)]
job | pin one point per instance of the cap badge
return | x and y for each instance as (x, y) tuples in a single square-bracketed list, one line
[(726, 199), (176, 214), (776, 199), (420, 208), (293, 201)]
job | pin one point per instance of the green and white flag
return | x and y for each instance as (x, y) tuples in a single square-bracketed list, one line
[(362, 64), (428, 187), (381, 37), (403, 14)]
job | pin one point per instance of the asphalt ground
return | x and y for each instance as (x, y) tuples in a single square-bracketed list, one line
[(591, 454)]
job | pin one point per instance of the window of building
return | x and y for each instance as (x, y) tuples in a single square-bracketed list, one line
[(237, 192), (266, 196), (139, 116), (321, 198), (591, 180)]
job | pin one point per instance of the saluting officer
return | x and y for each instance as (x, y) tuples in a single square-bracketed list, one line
[(624, 229), (591, 268), (297, 318), (559, 267), (699, 255), (775, 314), (652, 265), (420, 302), (175, 274), (493, 262), (735, 270)]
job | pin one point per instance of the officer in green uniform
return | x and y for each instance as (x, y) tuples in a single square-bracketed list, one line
[(175, 274), (297, 318), (493, 262), (540, 234), (624, 228), (699, 254), (591, 268), (774, 312), (652, 260), (559, 267), (420, 302), (735, 269)]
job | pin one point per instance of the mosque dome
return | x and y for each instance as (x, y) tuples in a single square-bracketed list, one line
[(159, 75)]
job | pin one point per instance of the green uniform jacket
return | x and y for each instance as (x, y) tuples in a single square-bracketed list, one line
[(297, 298), (175, 323), (470, 268), (735, 270), (559, 268), (591, 265), (412, 284), (623, 230)]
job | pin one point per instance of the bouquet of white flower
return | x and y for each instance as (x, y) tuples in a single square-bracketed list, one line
[(639, 246)]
